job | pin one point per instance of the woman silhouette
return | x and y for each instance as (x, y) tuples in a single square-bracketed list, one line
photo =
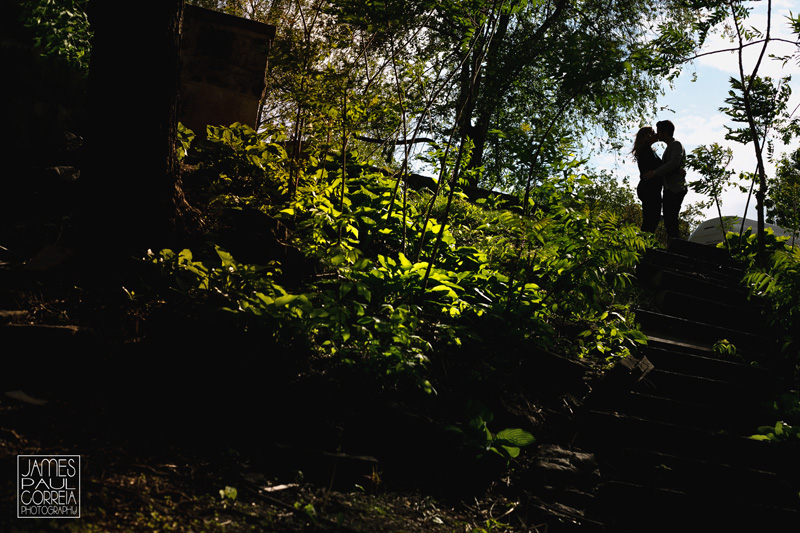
[(649, 189)]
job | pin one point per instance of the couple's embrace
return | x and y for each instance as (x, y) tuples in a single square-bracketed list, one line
[(659, 175)]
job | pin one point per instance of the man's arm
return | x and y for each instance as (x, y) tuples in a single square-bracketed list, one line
[(672, 162)]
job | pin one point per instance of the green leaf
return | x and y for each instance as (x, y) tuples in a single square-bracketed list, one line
[(405, 264), (454, 429), (283, 300), (512, 451), (228, 493), (364, 292), (225, 257), (444, 288), (515, 437), (477, 410), (427, 387), (185, 255), (638, 336), (264, 298)]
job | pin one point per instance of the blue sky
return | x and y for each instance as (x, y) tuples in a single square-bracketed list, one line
[(694, 106)]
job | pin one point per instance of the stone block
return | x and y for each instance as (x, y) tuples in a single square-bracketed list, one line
[(224, 61)]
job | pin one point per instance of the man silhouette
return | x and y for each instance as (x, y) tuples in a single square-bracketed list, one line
[(672, 174)]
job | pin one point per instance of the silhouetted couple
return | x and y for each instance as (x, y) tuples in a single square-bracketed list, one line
[(660, 174)]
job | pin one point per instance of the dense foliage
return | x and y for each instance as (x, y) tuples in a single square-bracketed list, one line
[(783, 201), (522, 82), (777, 283), (61, 28), (400, 276)]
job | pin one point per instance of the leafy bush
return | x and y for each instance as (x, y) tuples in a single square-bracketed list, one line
[(781, 431), (478, 441), (724, 348), (744, 247), (388, 296), (60, 29), (779, 283), (786, 408)]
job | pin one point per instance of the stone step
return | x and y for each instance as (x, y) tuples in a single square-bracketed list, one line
[(698, 478), (657, 260), (612, 430), (670, 432), (678, 344), (714, 312), (694, 389), (700, 332), (643, 508), (751, 383), (714, 418), (704, 362), (673, 280), (711, 254), (13, 316)]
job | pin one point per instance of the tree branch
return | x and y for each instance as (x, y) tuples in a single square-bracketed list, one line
[(399, 142), (736, 49)]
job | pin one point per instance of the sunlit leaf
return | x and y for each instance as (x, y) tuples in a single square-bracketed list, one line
[(515, 437)]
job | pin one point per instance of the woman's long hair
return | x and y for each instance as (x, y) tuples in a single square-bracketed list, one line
[(643, 137)]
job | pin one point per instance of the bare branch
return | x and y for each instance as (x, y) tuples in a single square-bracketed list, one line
[(736, 49), (398, 142)]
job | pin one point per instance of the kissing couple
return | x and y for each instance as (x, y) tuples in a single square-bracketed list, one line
[(662, 184)]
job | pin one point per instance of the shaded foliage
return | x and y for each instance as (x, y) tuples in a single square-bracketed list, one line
[(61, 28), (783, 197), (535, 280)]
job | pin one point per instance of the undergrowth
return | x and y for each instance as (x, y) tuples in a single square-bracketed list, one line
[(777, 283), (393, 278)]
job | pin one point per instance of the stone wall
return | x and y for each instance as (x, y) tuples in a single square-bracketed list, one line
[(224, 65)]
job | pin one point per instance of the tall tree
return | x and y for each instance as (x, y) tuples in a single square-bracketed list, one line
[(133, 196), (754, 101), (563, 67), (518, 78), (711, 162)]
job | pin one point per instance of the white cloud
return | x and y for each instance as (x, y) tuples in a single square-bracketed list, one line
[(694, 106), (728, 62)]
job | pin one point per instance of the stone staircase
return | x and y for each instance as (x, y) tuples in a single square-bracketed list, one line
[(670, 429)]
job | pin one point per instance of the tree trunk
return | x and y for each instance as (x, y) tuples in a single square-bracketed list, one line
[(490, 100), (133, 196), (497, 78)]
